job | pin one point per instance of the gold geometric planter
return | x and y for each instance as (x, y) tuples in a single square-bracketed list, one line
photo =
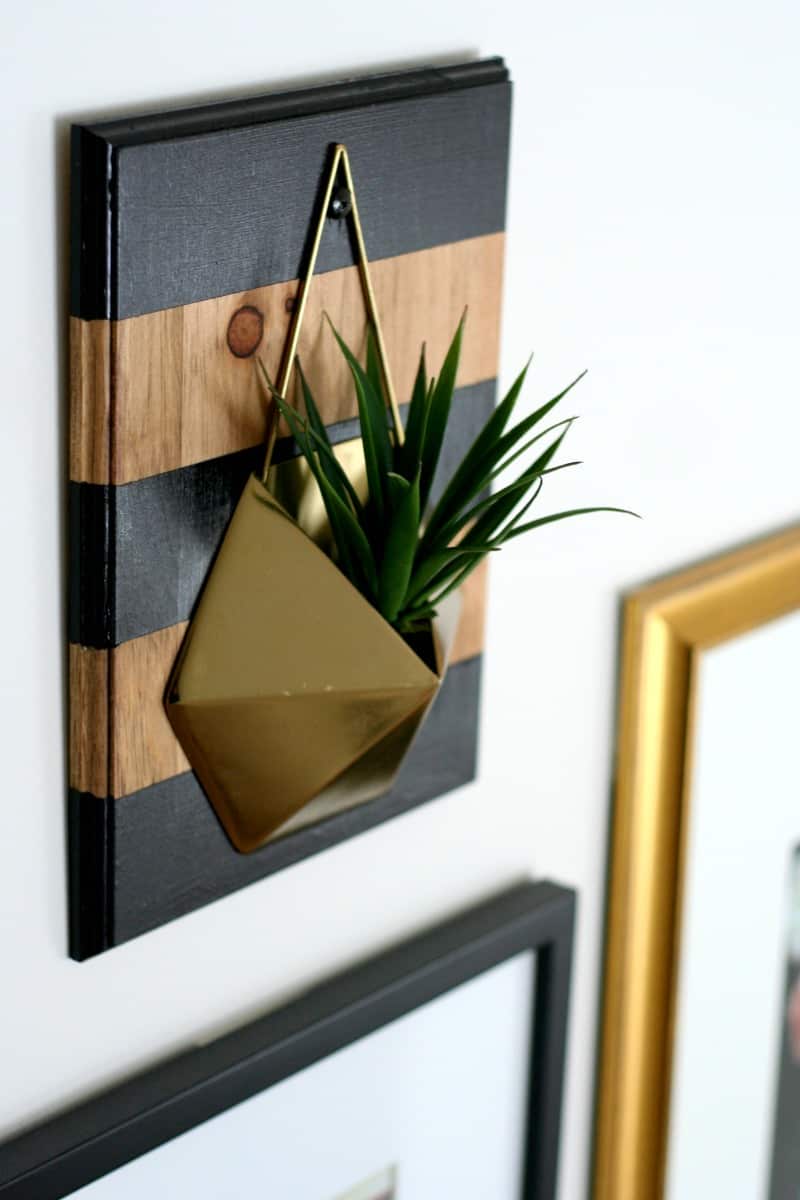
[(292, 697)]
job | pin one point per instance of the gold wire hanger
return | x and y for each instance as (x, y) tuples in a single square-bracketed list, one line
[(340, 160)]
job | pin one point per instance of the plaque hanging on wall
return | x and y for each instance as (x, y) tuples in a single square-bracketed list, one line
[(189, 232)]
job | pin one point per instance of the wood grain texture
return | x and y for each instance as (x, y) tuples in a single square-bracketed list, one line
[(472, 623), (165, 219), (132, 678), (88, 720), (90, 400), (176, 378), (144, 748)]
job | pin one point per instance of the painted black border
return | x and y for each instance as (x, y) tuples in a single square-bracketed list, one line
[(104, 225), (110, 1130)]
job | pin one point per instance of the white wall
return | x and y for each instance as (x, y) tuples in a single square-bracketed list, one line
[(653, 236)]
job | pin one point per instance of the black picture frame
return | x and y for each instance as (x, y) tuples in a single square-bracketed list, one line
[(106, 1132)]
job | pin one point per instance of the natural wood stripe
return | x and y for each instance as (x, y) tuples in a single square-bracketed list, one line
[(472, 622), (145, 750), (181, 396), (90, 389), (88, 720)]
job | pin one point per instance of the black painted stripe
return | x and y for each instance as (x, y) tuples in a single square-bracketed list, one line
[(168, 216), (90, 825), (171, 855), (140, 551), (331, 97), (92, 552)]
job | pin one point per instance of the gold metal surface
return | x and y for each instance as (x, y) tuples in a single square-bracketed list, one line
[(340, 160), (372, 308), (296, 489), (290, 687), (667, 626)]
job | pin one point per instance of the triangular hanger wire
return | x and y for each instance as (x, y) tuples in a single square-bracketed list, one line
[(339, 161)]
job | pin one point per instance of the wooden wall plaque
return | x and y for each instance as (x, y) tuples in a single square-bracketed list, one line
[(189, 230)]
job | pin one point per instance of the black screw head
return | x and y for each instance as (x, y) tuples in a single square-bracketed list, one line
[(341, 203)]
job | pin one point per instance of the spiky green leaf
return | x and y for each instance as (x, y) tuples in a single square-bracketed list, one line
[(438, 415), (488, 452), (311, 444), (351, 541), (397, 487), (459, 490), (329, 462), (516, 530), (374, 435), (490, 513), (355, 554), (401, 545), (440, 565), (408, 456)]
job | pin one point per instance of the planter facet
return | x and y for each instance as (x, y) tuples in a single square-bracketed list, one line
[(292, 697)]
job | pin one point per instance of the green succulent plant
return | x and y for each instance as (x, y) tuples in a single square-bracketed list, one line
[(402, 557)]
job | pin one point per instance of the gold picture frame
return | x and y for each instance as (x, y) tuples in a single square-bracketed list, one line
[(667, 625)]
